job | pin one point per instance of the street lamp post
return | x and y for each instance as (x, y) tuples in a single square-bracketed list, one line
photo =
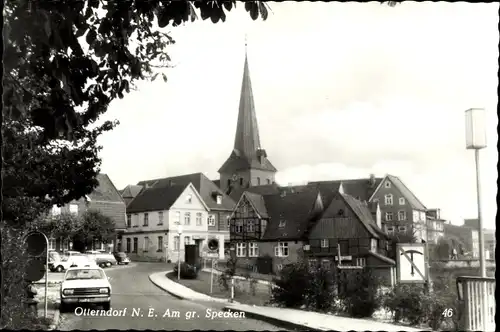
[(179, 231), (475, 136)]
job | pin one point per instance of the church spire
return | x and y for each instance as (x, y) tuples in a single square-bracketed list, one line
[(247, 140)]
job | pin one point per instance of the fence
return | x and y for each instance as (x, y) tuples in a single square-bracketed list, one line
[(478, 302)]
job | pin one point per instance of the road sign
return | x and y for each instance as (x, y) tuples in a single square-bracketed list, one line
[(211, 255), (35, 270), (36, 244), (411, 263)]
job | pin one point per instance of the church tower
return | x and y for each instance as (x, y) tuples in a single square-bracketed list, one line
[(247, 165)]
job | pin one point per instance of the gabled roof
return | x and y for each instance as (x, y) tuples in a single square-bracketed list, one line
[(257, 202), (105, 191), (131, 191), (155, 199), (361, 189), (407, 193), (261, 190), (295, 209), (361, 211), (206, 188)]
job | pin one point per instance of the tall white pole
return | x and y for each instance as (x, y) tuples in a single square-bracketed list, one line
[(46, 273), (482, 263)]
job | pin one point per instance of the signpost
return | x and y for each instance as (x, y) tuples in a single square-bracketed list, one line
[(412, 265)]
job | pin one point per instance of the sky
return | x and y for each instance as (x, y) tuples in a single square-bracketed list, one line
[(342, 90)]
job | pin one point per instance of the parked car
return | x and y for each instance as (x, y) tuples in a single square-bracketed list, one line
[(121, 258), (102, 259), (85, 285), (66, 262), (53, 257)]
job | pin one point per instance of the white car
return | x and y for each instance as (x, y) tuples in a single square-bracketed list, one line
[(85, 285), (72, 261)]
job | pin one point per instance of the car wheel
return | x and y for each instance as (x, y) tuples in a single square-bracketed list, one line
[(106, 306), (59, 268), (126, 263), (102, 265), (108, 264)]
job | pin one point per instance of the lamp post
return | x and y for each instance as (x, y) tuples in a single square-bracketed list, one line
[(179, 232), (475, 136)]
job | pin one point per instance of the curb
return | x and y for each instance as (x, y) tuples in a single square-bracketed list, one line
[(275, 321), (208, 298)]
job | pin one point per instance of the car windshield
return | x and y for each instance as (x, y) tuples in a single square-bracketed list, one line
[(121, 254), (84, 274)]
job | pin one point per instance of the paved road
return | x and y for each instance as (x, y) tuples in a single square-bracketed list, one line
[(132, 289)]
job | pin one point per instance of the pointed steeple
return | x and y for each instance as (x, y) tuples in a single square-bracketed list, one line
[(247, 140)]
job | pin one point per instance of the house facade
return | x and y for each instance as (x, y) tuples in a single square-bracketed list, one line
[(105, 199), (267, 231), (490, 242), (464, 239), (435, 226), (219, 204), (349, 229), (161, 220)]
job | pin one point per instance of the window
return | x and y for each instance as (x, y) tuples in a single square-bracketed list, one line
[(389, 230), (388, 199), (402, 201), (401, 215), (187, 218), (326, 263), (52, 244), (56, 210), (324, 243), (135, 220), (239, 226), (136, 241), (211, 220), (415, 216), (129, 220), (145, 244), (258, 181), (388, 216), (186, 240), (282, 223), (65, 244), (229, 182), (250, 226), (387, 184), (241, 250), (361, 261), (128, 244), (241, 181), (219, 199), (176, 243), (160, 218), (189, 199), (146, 219), (177, 219), (281, 250), (198, 219), (402, 229), (373, 245), (160, 243), (268, 181), (253, 249), (73, 209), (228, 219)]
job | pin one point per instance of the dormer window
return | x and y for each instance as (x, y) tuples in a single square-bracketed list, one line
[(219, 199), (189, 199), (282, 223), (387, 184)]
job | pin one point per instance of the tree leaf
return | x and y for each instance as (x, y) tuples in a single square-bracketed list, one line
[(154, 77), (164, 77)]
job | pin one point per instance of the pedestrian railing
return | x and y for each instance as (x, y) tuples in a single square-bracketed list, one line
[(477, 295)]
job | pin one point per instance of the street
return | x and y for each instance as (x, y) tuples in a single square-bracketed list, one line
[(133, 291)]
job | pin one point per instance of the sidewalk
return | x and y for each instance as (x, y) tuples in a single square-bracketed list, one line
[(291, 318)]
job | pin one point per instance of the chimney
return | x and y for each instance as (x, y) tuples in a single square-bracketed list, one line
[(372, 180)]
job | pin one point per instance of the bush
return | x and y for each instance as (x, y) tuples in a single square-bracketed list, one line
[(292, 286), (407, 302), (188, 271), (443, 298), (321, 292), (360, 296)]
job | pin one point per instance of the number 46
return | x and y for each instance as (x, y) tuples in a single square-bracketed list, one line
[(447, 313)]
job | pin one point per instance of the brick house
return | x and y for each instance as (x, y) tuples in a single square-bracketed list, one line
[(267, 231), (353, 228), (105, 199), (219, 204)]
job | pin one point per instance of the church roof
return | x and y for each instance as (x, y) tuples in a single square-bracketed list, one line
[(247, 152)]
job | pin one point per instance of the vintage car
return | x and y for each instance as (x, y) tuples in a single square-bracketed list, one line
[(121, 258), (66, 262), (85, 285), (102, 259)]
